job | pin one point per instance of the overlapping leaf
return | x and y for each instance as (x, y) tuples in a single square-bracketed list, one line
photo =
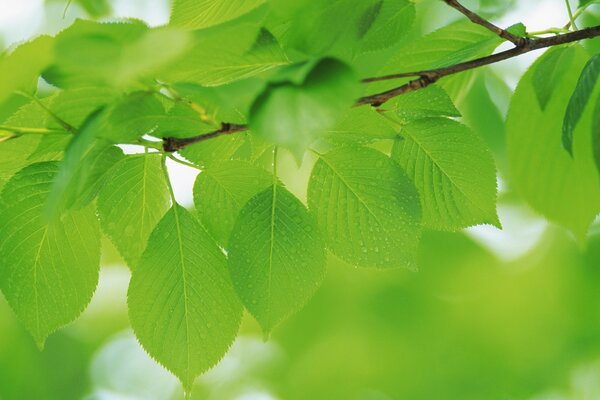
[(453, 171), (276, 256), (132, 202), (222, 190)]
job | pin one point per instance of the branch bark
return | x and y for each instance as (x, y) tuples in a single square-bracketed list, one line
[(477, 19), (172, 144)]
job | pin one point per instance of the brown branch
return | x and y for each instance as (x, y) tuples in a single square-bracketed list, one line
[(479, 20), (171, 144), (426, 78), (430, 76)]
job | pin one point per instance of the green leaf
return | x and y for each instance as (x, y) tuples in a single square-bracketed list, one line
[(133, 116), (596, 133), (276, 256), (198, 14), (367, 208), (113, 54), (214, 151), (579, 99), (223, 54), (550, 70), (14, 154), (84, 169), (562, 188), (446, 46), (182, 305), (453, 171), (432, 101), (341, 28), (222, 190), (20, 69), (49, 270), (72, 106), (359, 125), (291, 114), (385, 23), (132, 202)]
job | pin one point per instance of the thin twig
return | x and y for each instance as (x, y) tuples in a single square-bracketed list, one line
[(171, 144), (477, 19)]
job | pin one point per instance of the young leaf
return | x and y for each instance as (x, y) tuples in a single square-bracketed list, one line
[(182, 305), (291, 114), (579, 99), (199, 14), (131, 204), (453, 171), (276, 256), (367, 208), (49, 270), (564, 189), (222, 190)]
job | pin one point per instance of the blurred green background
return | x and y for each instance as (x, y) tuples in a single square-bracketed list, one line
[(512, 314)]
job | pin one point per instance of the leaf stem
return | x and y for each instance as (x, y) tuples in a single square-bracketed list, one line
[(570, 12), (66, 126), (24, 130)]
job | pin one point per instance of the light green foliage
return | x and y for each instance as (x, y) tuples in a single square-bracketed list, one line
[(49, 270), (579, 99), (367, 208), (453, 171), (360, 125), (23, 66), (223, 54), (563, 188), (182, 305), (341, 28), (222, 190), (14, 155), (114, 54), (214, 151), (276, 256), (219, 89), (432, 101), (72, 106), (596, 133), (131, 117), (83, 163), (198, 14), (292, 113), (132, 202), (448, 45)]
